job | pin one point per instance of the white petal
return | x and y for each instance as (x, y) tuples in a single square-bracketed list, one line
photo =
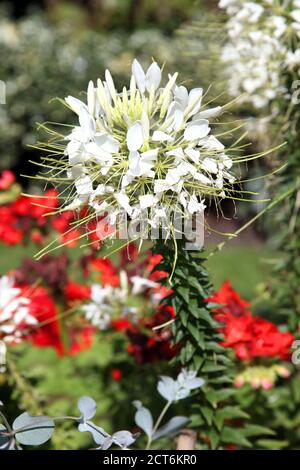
[(196, 130), (87, 122), (195, 206), (150, 155), (134, 160), (178, 119), (135, 137), (126, 180), (202, 178), (110, 84), (84, 185), (75, 171), (195, 98), (145, 125), (212, 143), (181, 95), (107, 143), (153, 76), (102, 189), (161, 185), (75, 104), (91, 98), (147, 200), (209, 113), (123, 200), (159, 136), (139, 75), (209, 165), (193, 154), (75, 152), (178, 153), (95, 151)]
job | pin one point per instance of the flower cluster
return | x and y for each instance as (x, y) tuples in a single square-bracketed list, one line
[(31, 312), (145, 149), (43, 304), (15, 311), (263, 43), (23, 218), (126, 298), (261, 376), (249, 336)]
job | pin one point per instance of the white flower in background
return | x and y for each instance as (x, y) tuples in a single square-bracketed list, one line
[(14, 311), (106, 301), (146, 148), (173, 390), (2, 356), (263, 38), (99, 311)]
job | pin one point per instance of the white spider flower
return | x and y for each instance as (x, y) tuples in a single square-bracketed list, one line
[(14, 311), (143, 150), (262, 45), (105, 301)]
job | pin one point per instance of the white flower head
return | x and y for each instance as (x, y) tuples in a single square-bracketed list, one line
[(144, 146), (259, 50), (14, 311)]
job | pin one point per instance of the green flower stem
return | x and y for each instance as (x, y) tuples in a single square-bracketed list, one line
[(159, 420)]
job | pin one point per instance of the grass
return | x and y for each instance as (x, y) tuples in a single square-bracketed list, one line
[(245, 265)]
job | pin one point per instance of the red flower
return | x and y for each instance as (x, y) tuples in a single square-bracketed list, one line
[(80, 339), (74, 291), (47, 332), (70, 238), (108, 273), (121, 325), (116, 374), (128, 254), (158, 275), (153, 261), (230, 300), (148, 345), (249, 336), (7, 178)]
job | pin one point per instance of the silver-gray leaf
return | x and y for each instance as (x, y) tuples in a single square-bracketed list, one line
[(171, 427), (87, 407), (33, 430), (143, 418)]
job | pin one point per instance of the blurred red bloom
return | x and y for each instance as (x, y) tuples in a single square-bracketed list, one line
[(153, 261), (249, 336), (148, 345), (7, 178), (230, 300), (116, 374), (74, 291), (108, 273), (121, 325)]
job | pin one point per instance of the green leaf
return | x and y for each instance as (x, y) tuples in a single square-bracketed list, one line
[(272, 444), (234, 436)]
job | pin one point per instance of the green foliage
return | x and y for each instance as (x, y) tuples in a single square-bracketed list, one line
[(44, 62), (196, 334)]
